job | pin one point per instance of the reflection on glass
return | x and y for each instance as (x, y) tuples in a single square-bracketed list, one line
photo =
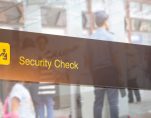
[(61, 104)]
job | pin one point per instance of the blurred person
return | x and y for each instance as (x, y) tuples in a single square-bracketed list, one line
[(148, 68), (132, 93), (136, 68), (134, 73), (19, 103), (5, 110), (102, 67), (42, 92)]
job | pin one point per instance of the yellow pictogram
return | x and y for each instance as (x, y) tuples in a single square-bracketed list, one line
[(4, 53)]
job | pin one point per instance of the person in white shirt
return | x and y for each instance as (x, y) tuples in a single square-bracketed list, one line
[(20, 102)]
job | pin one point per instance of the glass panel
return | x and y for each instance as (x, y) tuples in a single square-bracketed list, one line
[(133, 103), (75, 18)]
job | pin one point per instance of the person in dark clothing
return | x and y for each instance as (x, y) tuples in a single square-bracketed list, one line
[(42, 92), (131, 93), (134, 73), (101, 61)]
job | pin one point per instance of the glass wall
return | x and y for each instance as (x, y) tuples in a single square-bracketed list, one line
[(129, 22)]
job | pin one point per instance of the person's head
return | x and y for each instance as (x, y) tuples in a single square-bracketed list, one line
[(101, 19), (42, 41)]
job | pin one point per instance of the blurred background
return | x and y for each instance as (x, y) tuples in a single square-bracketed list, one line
[(129, 20)]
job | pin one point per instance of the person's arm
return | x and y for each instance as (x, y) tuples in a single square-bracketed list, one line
[(15, 103)]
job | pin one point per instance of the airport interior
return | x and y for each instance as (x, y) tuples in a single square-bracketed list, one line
[(129, 21)]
